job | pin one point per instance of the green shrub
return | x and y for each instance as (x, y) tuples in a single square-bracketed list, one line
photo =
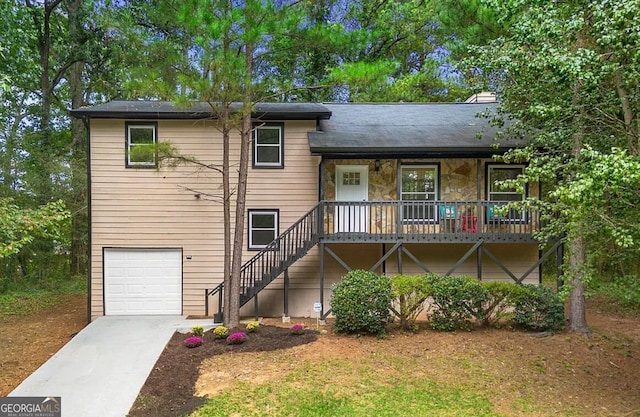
[(501, 298), (539, 308), (197, 330), (221, 332), (361, 302), (625, 290), (252, 326), (457, 301), (410, 293)]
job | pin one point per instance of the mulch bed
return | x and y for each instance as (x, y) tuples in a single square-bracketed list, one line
[(170, 388)]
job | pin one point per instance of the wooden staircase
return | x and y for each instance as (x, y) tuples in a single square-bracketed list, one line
[(274, 259)]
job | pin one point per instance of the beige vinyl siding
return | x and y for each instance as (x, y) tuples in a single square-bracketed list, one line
[(149, 208)]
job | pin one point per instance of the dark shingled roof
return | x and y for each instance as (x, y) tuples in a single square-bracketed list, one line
[(403, 128), (167, 110)]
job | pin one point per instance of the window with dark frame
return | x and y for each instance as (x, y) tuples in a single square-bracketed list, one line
[(418, 187), (268, 146), (140, 145), (263, 227), (496, 174)]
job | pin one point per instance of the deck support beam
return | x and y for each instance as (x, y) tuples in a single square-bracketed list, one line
[(415, 259), (500, 264), (465, 257), (255, 307), (286, 293), (479, 262), (322, 246), (338, 259), (543, 258), (385, 256)]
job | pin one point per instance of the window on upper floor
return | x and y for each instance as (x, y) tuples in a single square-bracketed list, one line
[(268, 145), (496, 174), (419, 191), (140, 145), (263, 227)]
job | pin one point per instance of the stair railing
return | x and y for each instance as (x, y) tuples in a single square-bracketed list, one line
[(277, 256)]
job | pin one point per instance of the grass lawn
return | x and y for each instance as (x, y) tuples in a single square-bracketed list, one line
[(338, 388)]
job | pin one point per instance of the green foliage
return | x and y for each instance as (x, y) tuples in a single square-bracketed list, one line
[(624, 290), (361, 302), (500, 300), (568, 77), (457, 302), (539, 308), (221, 332), (19, 227), (410, 293), (32, 300)]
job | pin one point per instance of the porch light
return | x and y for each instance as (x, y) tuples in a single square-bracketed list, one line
[(376, 165)]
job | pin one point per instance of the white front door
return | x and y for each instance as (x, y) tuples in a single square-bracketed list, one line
[(352, 185)]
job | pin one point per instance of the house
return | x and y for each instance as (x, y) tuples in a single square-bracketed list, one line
[(331, 187)]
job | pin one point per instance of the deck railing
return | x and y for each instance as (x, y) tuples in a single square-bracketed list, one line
[(426, 221)]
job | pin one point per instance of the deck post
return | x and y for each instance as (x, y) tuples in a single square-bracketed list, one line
[(255, 307), (322, 279), (286, 292), (479, 255), (400, 259)]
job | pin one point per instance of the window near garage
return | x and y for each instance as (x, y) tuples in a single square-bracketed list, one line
[(419, 191), (140, 146), (268, 146), (263, 228), (496, 191)]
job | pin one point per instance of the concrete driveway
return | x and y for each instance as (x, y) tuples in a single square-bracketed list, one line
[(101, 370)]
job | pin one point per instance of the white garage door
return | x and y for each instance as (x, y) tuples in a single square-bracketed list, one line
[(142, 281)]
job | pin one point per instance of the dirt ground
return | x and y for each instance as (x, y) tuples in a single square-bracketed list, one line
[(598, 376), (29, 340)]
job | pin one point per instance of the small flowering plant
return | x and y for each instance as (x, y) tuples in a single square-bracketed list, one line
[(236, 338), (193, 341), (221, 332), (297, 329), (197, 331), (252, 326)]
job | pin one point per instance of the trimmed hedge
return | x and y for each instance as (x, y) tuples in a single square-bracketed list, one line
[(458, 302), (539, 308), (361, 302), (410, 293)]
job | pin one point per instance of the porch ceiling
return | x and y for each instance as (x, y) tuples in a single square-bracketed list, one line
[(447, 128)]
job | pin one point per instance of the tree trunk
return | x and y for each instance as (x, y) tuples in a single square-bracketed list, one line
[(576, 244), (226, 209), (241, 192), (79, 221), (577, 306)]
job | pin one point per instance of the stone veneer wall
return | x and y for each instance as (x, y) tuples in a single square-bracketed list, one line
[(458, 180)]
